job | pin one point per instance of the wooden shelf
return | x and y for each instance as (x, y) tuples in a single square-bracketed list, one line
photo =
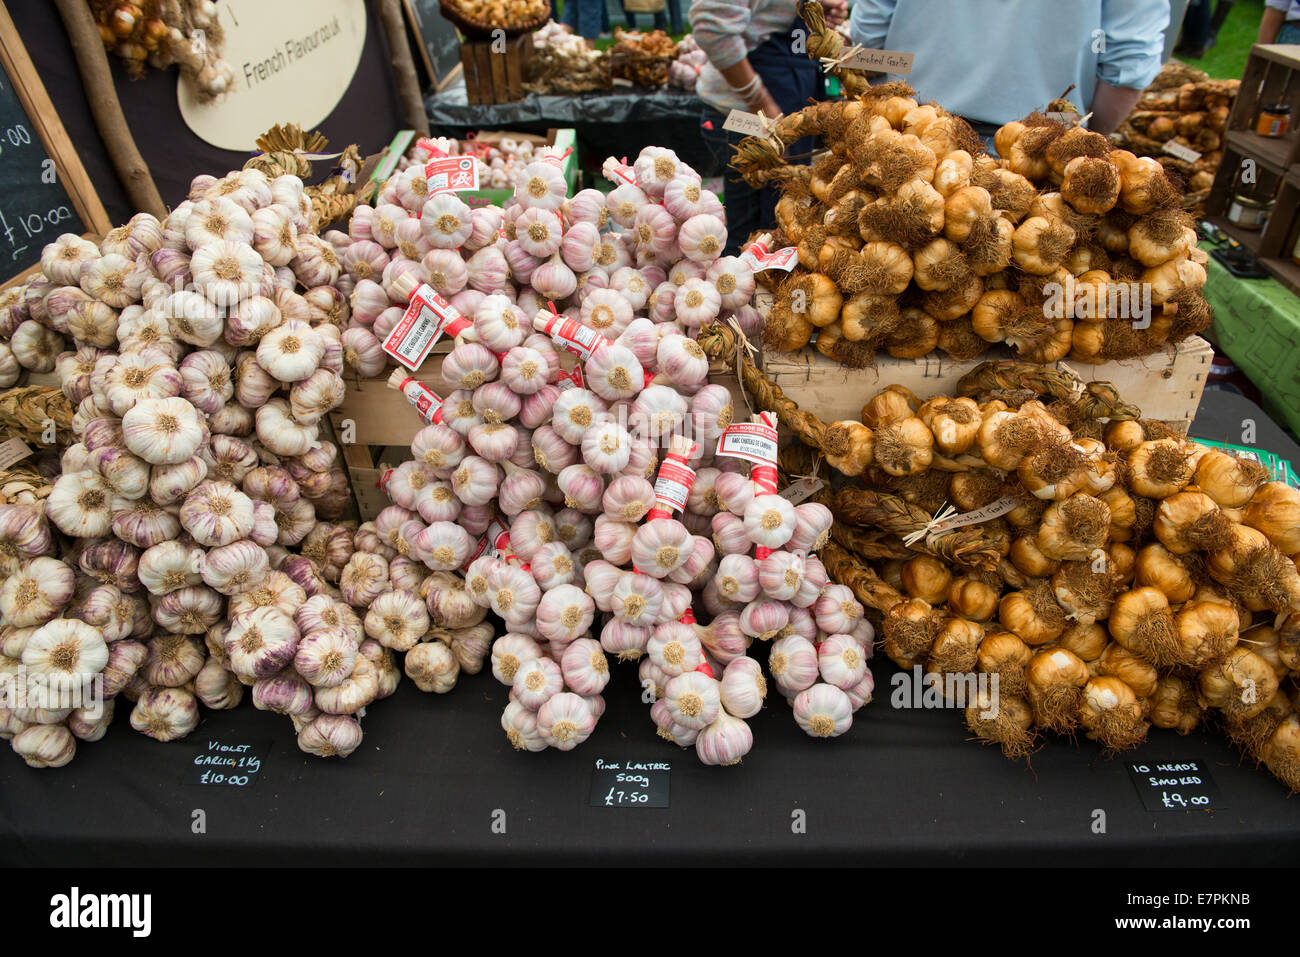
[(1250, 238), (1284, 271), (1274, 153), (1287, 54)]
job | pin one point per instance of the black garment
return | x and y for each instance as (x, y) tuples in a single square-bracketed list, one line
[(792, 79)]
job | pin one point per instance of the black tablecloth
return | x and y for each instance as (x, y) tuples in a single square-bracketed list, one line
[(902, 787)]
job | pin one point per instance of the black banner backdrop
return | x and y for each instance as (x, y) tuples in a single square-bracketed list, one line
[(367, 115)]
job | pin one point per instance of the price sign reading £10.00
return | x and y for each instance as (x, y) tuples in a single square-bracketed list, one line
[(227, 763), (630, 783)]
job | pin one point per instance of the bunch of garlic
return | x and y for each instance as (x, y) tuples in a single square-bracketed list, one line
[(651, 248), (527, 473), (192, 521)]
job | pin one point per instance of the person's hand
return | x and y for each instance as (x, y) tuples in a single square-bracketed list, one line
[(767, 106), (837, 11)]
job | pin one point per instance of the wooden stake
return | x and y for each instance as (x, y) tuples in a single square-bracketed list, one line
[(97, 80), (399, 52)]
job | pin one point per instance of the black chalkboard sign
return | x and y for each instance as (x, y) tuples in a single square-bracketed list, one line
[(630, 783), (437, 39), (44, 189), (1175, 786), (34, 206), (225, 761)]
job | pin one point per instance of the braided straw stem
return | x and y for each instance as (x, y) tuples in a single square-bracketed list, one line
[(875, 546), (866, 584), (25, 412), (719, 343), (970, 546), (825, 43)]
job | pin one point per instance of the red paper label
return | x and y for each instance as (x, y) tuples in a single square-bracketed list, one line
[(757, 257), (451, 174), (427, 402), (570, 380), (752, 441), (673, 485), (427, 319), (570, 334), (384, 479)]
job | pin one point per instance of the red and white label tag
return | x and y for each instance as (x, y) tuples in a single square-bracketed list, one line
[(619, 172), (451, 174), (674, 485), (570, 380), (427, 402), (427, 318), (757, 258), (752, 441), (570, 334), (384, 479), (556, 161)]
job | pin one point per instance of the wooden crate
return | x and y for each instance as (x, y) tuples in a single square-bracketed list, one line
[(495, 69), (383, 424), (1165, 386)]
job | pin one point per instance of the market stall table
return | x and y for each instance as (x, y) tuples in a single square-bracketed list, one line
[(435, 781)]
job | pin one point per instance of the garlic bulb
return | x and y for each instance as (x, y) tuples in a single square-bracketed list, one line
[(397, 620), (291, 351), (80, 505), (66, 654), (45, 745), (163, 431), (217, 513), (36, 592), (823, 711), (564, 720), (261, 642), (520, 725), (331, 735), (535, 681), (226, 272), (165, 714)]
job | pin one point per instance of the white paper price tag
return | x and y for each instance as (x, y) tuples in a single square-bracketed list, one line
[(804, 488), (750, 124), (881, 61), (15, 450), (1179, 151)]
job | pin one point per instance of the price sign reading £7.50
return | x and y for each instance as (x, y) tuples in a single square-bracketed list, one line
[(630, 783)]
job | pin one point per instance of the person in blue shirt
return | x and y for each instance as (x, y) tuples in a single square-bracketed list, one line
[(993, 61)]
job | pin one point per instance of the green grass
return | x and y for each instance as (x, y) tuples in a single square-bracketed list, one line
[(1226, 60)]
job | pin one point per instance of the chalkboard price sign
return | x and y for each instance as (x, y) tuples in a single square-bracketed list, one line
[(227, 763), (630, 783), (44, 189), (1175, 786), (34, 207)]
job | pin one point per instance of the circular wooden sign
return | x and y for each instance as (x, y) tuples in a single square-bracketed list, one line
[(293, 61)]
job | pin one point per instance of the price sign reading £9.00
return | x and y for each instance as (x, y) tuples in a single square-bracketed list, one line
[(1175, 786), (630, 783)]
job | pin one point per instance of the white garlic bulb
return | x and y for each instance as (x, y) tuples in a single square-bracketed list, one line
[(66, 653), (45, 745), (217, 513), (163, 431), (397, 620), (291, 351), (36, 592), (432, 666), (165, 714), (80, 505)]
